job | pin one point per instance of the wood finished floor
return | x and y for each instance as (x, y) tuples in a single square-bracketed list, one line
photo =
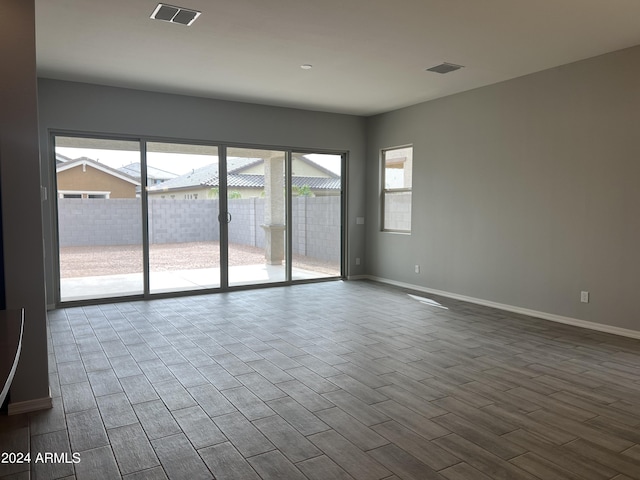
[(339, 380)]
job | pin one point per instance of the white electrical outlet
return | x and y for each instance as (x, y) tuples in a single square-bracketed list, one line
[(357, 260), (584, 297), (417, 269)]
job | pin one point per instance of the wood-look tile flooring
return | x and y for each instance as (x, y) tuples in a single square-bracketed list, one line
[(338, 380)]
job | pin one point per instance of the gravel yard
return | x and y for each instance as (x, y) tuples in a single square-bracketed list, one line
[(117, 259)]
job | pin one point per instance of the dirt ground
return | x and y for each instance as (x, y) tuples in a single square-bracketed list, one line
[(116, 259)]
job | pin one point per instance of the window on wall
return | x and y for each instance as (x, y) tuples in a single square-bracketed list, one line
[(397, 166), (74, 194)]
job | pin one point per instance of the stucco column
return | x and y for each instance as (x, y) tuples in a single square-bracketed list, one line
[(274, 211)]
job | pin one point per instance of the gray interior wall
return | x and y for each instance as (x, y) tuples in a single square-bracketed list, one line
[(20, 186), (93, 108), (525, 192)]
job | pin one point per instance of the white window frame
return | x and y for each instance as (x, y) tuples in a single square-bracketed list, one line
[(83, 193), (387, 191)]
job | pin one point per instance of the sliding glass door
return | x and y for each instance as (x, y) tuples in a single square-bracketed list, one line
[(99, 218), (316, 184), (182, 213), (256, 205), (138, 217)]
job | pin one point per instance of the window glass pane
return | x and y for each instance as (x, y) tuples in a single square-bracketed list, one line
[(99, 218), (184, 233), (398, 168), (397, 211), (396, 195), (257, 216), (316, 215)]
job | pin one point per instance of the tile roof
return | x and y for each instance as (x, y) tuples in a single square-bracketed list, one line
[(133, 169), (197, 177), (239, 180), (207, 176)]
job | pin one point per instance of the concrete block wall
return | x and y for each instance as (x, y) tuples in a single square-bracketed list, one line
[(316, 227), (87, 222), (178, 221), (247, 214), (96, 221), (299, 219)]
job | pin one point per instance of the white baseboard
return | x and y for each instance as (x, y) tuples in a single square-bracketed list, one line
[(44, 403), (358, 277), (624, 332)]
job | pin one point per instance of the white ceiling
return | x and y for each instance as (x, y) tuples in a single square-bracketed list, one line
[(368, 56)]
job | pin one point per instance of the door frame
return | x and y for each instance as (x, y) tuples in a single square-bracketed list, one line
[(222, 147)]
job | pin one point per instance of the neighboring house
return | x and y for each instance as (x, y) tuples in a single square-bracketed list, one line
[(154, 175), (245, 179), (87, 178)]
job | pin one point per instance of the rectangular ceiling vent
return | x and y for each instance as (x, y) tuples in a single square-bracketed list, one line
[(172, 14), (445, 68)]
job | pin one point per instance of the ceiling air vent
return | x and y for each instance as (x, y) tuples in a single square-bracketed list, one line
[(445, 68), (172, 14)]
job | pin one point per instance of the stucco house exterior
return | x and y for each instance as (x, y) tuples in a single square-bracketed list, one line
[(86, 178)]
